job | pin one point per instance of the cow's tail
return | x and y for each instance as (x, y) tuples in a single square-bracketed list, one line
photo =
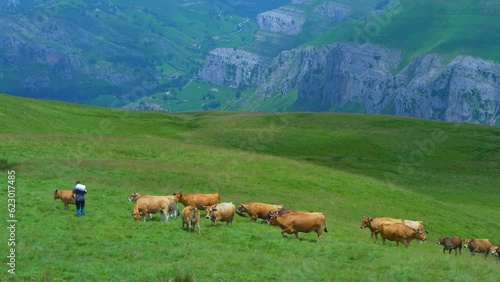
[(326, 230)]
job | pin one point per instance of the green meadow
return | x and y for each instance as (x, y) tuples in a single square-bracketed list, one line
[(344, 165)]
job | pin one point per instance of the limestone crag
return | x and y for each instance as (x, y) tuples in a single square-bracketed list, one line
[(233, 68), (369, 78)]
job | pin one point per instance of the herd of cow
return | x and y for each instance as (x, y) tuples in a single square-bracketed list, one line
[(290, 221), (403, 230)]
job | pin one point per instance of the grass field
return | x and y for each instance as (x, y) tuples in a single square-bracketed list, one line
[(345, 165)]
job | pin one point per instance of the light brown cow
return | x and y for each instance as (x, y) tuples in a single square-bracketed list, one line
[(296, 221), (151, 204), (478, 246), (450, 243), (65, 196), (172, 206), (375, 222), (191, 218), (400, 232), (221, 212), (257, 210), (197, 200)]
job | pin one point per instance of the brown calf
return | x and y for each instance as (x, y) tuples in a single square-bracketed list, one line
[(191, 218), (65, 196), (450, 243), (478, 246)]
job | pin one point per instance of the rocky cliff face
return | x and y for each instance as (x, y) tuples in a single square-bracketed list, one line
[(234, 68), (368, 78)]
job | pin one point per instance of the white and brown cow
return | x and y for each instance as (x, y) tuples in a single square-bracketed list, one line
[(400, 232), (257, 210), (293, 222), (478, 246), (450, 243), (65, 196), (191, 218), (221, 212)]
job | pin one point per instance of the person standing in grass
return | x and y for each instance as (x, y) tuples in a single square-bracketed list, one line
[(79, 195)]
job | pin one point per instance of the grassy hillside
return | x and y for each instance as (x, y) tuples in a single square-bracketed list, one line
[(334, 163), (451, 28)]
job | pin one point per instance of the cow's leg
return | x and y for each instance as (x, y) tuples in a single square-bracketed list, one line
[(319, 236), (286, 230)]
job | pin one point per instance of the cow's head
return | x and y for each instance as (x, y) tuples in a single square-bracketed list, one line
[(210, 210), (495, 250), (133, 197), (178, 195), (440, 240), (272, 218), (270, 215), (56, 194), (366, 222), (241, 209), (467, 242), (420, 234)]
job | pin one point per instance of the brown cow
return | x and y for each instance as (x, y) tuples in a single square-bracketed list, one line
[(221, 212), (65, 196), (191, 217), (478, 246), (450, 243), (151, 204), (172, 206), (257, 210), (374, 223), (295, 222), (400, 232), (197, 200)]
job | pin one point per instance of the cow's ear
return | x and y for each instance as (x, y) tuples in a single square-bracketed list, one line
[(370, 219)]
